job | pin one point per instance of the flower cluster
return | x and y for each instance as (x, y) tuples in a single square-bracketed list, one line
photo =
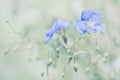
[(88, 22)]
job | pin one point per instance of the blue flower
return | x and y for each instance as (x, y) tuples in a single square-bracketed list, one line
[(58, 25), (90, 22)]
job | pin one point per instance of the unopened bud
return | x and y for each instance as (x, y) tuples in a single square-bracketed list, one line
[(68, 51), (69, 59), (75, 67), (105, 54), (63, 74), (49, 63), (58, 49), (65, 39), (42, 73), (87, 69), (97, 48)]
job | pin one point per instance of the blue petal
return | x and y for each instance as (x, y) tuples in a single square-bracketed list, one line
[(81, 26), (65, 24), (49, 35), (96, 17), (89, 15), (60, 24), (99, 27), (90, 29), (86, 14)]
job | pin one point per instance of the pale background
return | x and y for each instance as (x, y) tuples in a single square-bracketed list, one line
[(24, 57)]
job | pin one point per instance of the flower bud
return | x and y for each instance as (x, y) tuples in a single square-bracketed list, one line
[(63, 74), (65, 39), (97, 48), (75, 67), (42, 73), (69, 59), (87, 69), (68, 51), (105, 54), (49, 63)]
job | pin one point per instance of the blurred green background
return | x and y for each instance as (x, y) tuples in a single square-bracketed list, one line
[(24, 23)]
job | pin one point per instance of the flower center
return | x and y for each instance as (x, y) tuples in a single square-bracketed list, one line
[(89, 24)]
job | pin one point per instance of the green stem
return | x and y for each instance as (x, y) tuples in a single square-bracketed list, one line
[(12, 30), (80, 38)]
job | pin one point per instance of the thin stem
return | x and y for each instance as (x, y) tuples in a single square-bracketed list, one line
[(89, 62), (96, 40), (80, 38), (12, 30), (47, 68)]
